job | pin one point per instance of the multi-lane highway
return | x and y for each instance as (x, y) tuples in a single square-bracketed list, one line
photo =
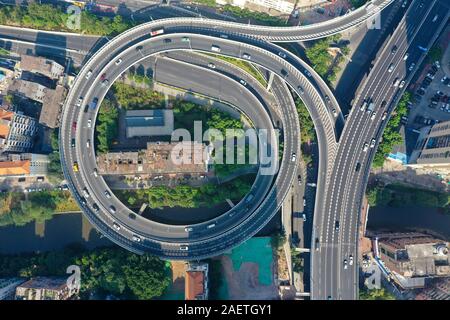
[(123, 227), (334, 276)]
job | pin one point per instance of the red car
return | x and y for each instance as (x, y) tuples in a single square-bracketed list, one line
[(74, 125), (103, 77)]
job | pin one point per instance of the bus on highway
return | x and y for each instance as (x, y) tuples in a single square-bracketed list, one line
[(156, 32)]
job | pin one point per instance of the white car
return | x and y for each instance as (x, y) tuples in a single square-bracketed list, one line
[(282, 54), (372, 143), (136, 238), (79, 101), (88, 75), (365, 147), (88, 143), (243, 82), (391, 67), (116, 226), (373, 115), (95, 172), (345, 264), (351, 260), (188, 229), (184, 248), (118, 61), (294, 157), (247, 56), (211, 65), (89, 123), (402, 84), (107, 194), (406, 56)]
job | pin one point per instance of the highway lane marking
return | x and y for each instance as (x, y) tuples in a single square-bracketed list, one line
[(353, 159)]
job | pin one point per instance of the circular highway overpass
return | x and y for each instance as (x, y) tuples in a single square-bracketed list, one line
[(119, 223)]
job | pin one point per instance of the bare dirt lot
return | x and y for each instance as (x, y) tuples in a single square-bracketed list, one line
[(244, 284)]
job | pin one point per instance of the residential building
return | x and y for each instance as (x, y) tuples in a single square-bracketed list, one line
[(51, 99), (8, 287), (146, 123), (17, 131), (432, 150), (52, 107), (45, 288), (196, 287), (413, 257), (27, 89), (159, 158), (41, 65), (23, 165)]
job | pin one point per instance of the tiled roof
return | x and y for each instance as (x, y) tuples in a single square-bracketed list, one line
[(14, 167)]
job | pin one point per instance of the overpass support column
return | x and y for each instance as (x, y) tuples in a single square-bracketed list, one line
[(269, 83)]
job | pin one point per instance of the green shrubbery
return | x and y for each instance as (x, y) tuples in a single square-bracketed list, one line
[(107, 125), (49, 17), (132, 98), (375, 294), (185, 196), (259, 17), (103, 271), (322, 61)]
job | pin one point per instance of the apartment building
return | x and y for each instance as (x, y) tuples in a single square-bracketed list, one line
[(17, 131), (42, 66), (413, 257)]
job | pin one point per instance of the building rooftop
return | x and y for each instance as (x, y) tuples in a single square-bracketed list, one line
[(46, 67), (45, 283), (194, 285), (144, 123), (31, 90), (5, 119), (11, 168), (51, 107), (158, 158)]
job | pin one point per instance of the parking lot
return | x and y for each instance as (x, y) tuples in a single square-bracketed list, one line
[(431, 102)]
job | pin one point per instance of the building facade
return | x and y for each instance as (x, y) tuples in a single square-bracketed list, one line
[(8, 287), (17, 131), (433, 148)]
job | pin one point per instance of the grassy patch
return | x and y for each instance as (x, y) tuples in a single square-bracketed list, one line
[(398, 195), (244, 65)]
